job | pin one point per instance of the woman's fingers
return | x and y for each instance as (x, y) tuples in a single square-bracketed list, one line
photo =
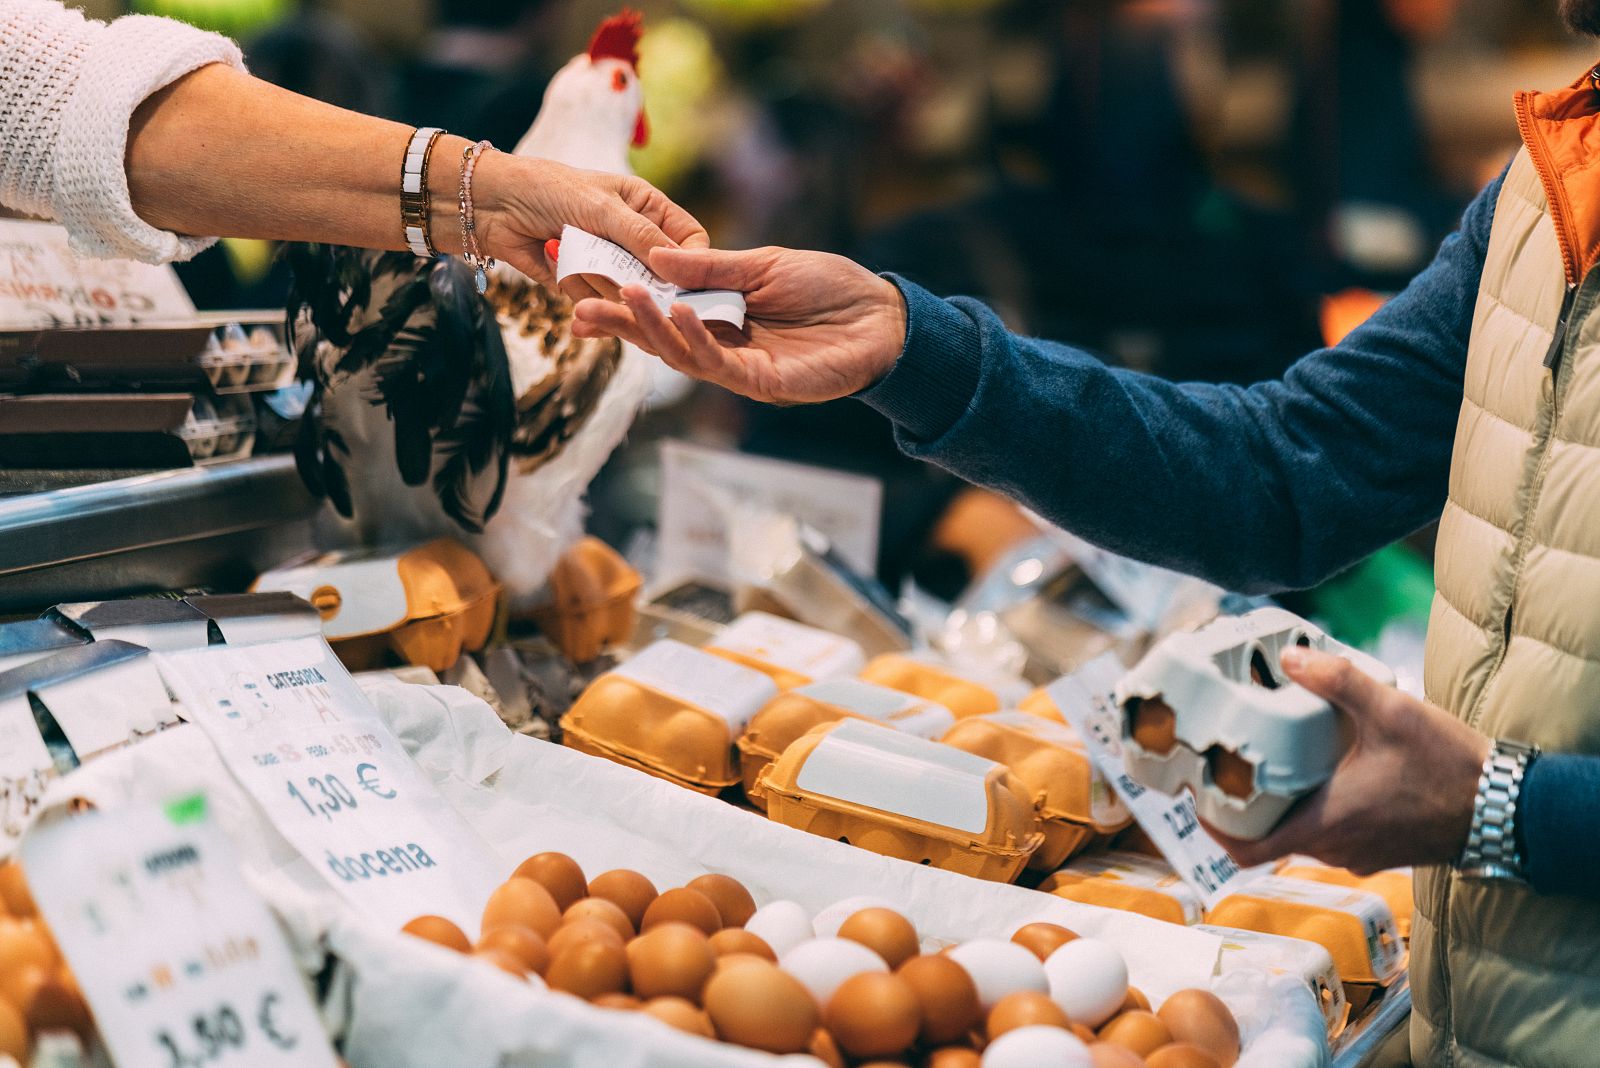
[(677, 224)]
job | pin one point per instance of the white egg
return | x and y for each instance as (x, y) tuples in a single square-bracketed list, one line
[(823, 964), (999, 968), (781, 925), (1031, 1047), (1088, 979), (830, 919)]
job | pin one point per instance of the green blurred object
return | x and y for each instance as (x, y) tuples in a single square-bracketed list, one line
[(236, 18), (1391, 585), (753, 14), (680, 74), (190, 809)]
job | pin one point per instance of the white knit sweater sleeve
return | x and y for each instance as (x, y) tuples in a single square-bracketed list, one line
[(68, 88)]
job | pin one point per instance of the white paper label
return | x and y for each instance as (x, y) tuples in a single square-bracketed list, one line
[(727, 690), (182, 964), (297, 732), (807, 651), (42, 284), (109, 707), (584, 253), (25, 768), (706, 492), (1084, 698)]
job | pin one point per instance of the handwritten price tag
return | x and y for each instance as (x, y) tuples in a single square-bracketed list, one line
[(301, 737), (1084, 698), (182, 964)]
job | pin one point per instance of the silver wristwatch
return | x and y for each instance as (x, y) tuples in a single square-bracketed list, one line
[(1492, 851)]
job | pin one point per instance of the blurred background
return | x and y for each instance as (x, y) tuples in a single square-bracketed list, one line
[(1205, 189)]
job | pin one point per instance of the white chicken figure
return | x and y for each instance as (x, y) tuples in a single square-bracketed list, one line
[(593, 112), (431, 418)]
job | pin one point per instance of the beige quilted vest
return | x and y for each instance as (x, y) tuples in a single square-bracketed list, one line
[(1501, 975)]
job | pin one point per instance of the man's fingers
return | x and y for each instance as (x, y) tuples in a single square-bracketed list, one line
[(708, 269), (1334, 678), (577, 288), (660, 336), (601, 318)]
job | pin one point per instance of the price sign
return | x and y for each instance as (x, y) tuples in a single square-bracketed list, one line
[(1084, 698), (301, 737), (182, 964), (43, 284)]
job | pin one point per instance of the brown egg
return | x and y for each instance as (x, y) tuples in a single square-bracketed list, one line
[(439, 931), (589, 970), (1110, 1055), (22, 942), (683, 905), (738, 940), (520, 942), (682, 1014), (885, 932), (524, 903), (1084, 1034), (502, 960), (1043, 939), (557, 873), (672, 960), (14, 895), (1155, 725), (948, 997), (1181, 1055), (1024, 1008), (1233, 774), (760, 1006), (618, 1001), (825, 1049), (13, 1033), (598, 908), (628, 890), (570, 934), (734, 903), (954, 1057), (1135, 1000), (739, 960), (873, 1015), (18, 985), (1142, 1032), (1199, 1018)]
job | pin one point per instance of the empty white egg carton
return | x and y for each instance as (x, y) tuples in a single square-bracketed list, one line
[(1211, 709)]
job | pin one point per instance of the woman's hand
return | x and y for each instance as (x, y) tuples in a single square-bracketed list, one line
[(817, 327), (1403, 793), (521, 203)]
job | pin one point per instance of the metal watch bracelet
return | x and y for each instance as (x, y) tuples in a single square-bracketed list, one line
[(1491, 851)]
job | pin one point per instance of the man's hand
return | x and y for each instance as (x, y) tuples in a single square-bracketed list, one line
[(818, 327), (1403, 793), (521, 203)]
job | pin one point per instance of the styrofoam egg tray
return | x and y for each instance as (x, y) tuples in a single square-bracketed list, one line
[(1211, 710)]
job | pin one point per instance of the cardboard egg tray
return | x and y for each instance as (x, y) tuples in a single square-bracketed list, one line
[(1211, 711), (1356, 927), (1074, 801), (245, 353), (910, 674), (1277, 955), (1394, 886), (906, 797), (427, 604), (791, 653), (672, 711), (1129, 882), (779, 724)]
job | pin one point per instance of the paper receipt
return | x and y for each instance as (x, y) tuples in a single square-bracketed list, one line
[(584, 253)]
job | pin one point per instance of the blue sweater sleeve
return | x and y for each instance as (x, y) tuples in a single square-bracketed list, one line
[(1558, 822), (1270, 487)]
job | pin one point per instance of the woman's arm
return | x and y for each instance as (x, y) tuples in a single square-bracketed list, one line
[(145, 138), (220, 152)]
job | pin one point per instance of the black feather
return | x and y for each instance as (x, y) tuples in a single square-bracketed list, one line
[(480, 433)]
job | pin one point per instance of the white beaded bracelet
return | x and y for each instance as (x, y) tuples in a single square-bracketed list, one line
[(414, 192), (481, 264)]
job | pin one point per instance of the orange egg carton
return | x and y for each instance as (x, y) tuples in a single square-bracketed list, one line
[(1253, 951), (905, 797), (775, 728), (1038, 703), (672, 711), (1394, 886), (427, 604), (1075, 802), (1128, 882), (962, 696), (1354, 926), (791, 654), (592, 593)]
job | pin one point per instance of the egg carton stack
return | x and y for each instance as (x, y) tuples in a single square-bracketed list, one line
[(244, 354)]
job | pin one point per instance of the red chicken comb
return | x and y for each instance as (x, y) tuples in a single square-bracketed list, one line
[(618, 38)]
